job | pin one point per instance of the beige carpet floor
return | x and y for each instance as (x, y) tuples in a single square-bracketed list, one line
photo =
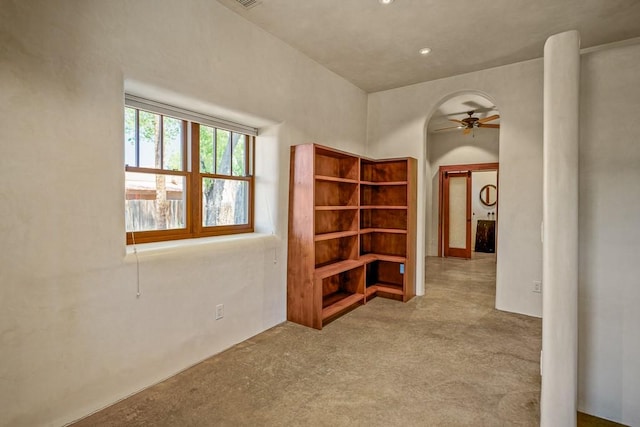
[(445, 359)]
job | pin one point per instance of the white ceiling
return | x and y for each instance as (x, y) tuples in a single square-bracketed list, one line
[(376, 47)]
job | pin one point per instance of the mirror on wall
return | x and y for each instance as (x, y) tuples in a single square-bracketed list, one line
[(489, 195)]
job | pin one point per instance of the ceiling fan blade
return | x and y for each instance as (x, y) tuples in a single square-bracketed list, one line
[(466, 131), (449, 128), (475, 106), (460, 113), (458, 121), (488, 119), (488, 125)]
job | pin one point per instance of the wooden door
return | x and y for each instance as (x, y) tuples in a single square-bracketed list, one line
[(457, 214)]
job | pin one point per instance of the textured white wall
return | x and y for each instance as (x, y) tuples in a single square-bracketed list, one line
[(396, 126), (609, 230), (454, 148), (73, 336)]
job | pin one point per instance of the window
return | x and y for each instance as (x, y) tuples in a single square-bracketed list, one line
[(186, 175)]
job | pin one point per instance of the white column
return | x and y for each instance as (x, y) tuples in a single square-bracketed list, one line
[(560, 231)]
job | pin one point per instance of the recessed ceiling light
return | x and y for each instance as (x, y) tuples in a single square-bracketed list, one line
[(385, 1), (424, 51)]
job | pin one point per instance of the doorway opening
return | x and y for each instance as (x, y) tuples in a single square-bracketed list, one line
[(467, 210), (462, 156)]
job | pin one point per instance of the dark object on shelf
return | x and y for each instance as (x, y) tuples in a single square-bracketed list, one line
[(486, 236)]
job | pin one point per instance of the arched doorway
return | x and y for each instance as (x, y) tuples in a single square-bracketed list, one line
[(462, 147), (463, 136)]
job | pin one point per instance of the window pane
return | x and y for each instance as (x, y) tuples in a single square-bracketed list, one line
[(224, 202), (206, 149), (238, 157), (149, 140), (130, 136), (172, 140), (223, 152), (154, 202)]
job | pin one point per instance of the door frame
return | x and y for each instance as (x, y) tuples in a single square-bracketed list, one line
[(462, 168)]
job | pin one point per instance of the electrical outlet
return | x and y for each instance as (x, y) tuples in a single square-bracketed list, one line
[(537, 286), (219, 311)]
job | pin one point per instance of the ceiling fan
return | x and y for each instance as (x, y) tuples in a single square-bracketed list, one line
[(470, 123)]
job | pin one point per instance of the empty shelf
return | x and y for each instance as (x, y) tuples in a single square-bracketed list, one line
[(367, 258), (388, 288), (383, 183), (336, 268), (336, 179), (341, 304), (383, 230), (335, 235)]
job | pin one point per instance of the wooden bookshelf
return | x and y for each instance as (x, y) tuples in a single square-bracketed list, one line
[(388, 227), (351, 232)]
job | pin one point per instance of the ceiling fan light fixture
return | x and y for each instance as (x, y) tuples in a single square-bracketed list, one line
[(425, 51), (469, 124), (385, 2)]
